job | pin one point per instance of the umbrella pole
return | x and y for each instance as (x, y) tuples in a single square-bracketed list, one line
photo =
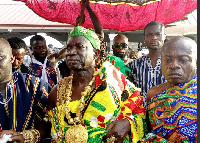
[(81, 17)]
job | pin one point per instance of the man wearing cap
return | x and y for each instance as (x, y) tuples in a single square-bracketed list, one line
[(106, 106)]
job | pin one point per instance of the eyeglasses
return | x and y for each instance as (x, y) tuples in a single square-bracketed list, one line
[(123, 45)]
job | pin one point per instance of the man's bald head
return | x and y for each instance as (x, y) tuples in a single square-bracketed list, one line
[(120, 46), (178, 60), (120, 36), (6, 60), (188, 43), (4, 45)]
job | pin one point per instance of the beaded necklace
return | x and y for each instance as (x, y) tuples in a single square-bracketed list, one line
[(75, 133)]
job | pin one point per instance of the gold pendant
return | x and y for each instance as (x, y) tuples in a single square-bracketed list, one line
[(76, 134)]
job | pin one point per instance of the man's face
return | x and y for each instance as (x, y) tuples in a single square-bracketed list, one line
[(178, 61), (120, 46), (39, 49), (79, 53), (5, 61), (154, 37), (18, 58)]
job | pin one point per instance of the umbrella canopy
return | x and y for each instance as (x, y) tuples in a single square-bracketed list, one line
[(121, 15)]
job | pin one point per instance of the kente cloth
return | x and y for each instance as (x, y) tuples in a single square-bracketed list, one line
[(114, 98), (26, 96), (173, 114), (51, 75)]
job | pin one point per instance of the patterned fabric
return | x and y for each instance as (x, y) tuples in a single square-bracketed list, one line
[(173, 114), (144, 76), (51, 73), (26, 97), (104, 105)]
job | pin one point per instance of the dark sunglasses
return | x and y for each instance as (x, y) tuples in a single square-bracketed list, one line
[(123, 45)]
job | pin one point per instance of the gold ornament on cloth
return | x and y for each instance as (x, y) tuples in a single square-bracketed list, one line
[(76, 133)]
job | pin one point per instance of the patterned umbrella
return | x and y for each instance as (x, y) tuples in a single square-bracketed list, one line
[(121, 15)]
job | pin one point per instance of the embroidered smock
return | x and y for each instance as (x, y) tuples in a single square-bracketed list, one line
[(26, 97)]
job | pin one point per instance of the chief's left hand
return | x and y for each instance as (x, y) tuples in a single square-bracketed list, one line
[(119, 129)]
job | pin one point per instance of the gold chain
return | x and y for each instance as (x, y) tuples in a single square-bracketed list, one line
[(64, 92)]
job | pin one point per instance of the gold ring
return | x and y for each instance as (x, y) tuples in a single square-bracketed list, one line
[(112, 139)]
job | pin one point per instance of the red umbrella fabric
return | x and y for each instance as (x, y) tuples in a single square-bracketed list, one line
[(130, 16)]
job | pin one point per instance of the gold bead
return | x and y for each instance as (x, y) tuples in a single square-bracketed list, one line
[(68, 92), (77, 119), (87, 88), (67, 116), (80, 107), (71, 121), (68, 98), (78, 114), (67, 109), (83, 94)]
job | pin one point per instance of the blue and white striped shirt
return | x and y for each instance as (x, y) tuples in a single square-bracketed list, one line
[(144, 76)]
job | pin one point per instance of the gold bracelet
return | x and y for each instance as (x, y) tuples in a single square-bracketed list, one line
[(37, 135), (31, 136), (28, 136)]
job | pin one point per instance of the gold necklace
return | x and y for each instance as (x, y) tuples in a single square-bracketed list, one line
[(76, 133)]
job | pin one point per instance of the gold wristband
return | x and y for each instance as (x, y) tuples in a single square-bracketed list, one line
[(31, 136)]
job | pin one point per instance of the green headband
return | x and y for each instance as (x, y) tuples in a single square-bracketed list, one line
[(88, 34)]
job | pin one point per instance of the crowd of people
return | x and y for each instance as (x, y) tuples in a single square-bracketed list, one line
[(81, 94)]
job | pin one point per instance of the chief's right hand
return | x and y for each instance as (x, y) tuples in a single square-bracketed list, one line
[(15, 136)]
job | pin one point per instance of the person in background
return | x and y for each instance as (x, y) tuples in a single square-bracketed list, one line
[(172, 106), (43, 65), (146, 71), (18, 50), (121, 49), (22, 100)]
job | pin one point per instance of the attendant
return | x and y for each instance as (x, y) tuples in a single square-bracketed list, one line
[(172, 106), (22, 100), (18, 50), (146, 71), (44, 66), (121, 49)]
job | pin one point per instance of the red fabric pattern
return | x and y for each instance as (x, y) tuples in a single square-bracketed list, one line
[(122, 17)]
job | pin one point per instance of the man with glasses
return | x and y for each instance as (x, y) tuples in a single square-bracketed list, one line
[(120, 48), (146, 71)]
